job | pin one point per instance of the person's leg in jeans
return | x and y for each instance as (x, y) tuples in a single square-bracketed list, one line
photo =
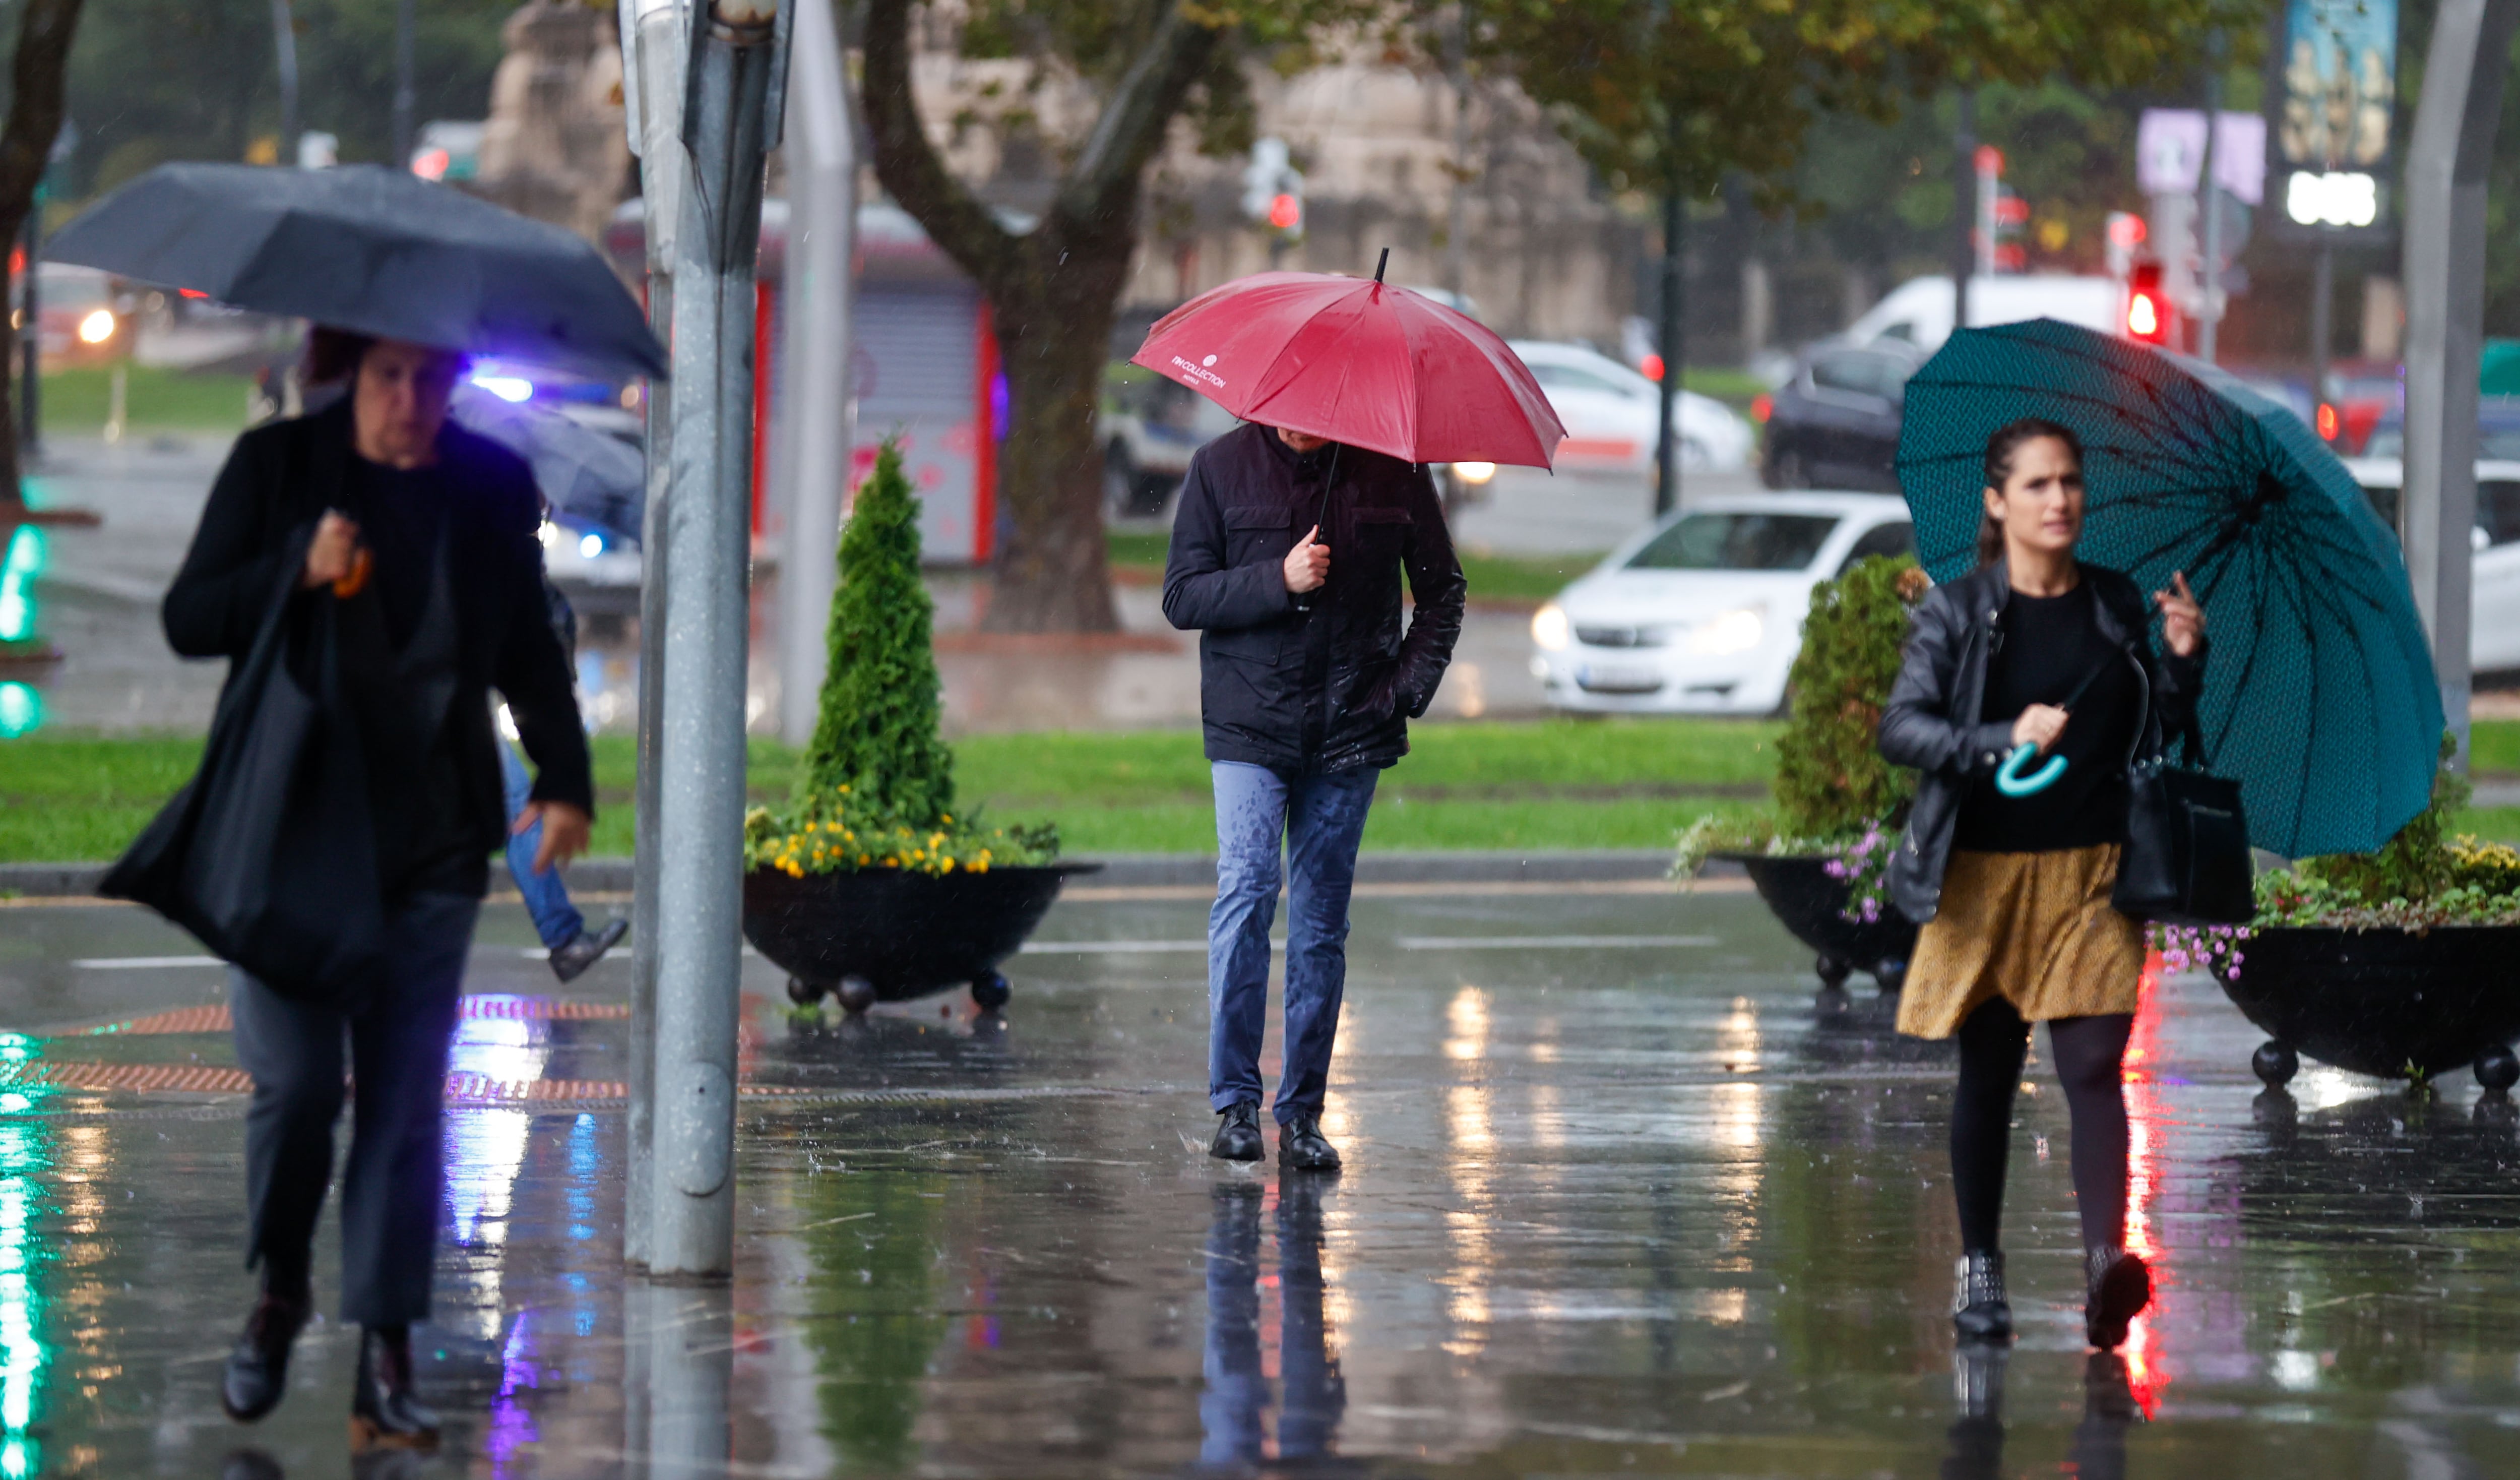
[(1325, 822), (556, 919), (1250, 818)]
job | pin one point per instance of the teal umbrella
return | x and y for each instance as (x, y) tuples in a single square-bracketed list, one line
[(2319, 697)]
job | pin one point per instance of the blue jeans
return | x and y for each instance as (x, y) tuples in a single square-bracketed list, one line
[(556, 919), (1322, 819)]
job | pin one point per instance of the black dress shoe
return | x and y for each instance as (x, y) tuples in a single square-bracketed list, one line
[(384, 1411), (1979, 1310), (2120, 1286), (1238, 1133), (570, 959), (1303, 1146), (257, 1370)]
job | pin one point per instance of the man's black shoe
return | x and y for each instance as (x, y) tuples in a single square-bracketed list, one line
[(1303, 1146), (257, 1370), (385, 1411), (1238, 1133), (570, 959)]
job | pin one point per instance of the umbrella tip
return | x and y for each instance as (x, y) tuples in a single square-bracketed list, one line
[(1379, 266)]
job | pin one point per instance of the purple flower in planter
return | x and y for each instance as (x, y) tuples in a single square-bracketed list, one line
[(2176, 961)]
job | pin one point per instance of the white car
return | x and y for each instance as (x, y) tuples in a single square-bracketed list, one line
[(1702, 612), (2493, 616), (1611, 413)]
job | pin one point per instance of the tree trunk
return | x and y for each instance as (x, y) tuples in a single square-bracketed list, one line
[(45, 29), (1054, 572)]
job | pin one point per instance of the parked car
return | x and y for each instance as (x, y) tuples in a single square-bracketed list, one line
[(83, 315), (2493, 614), (1611, 415), (1148, 427), (1918, 311), (2497, 432), (1834, 423), (1702, 612)]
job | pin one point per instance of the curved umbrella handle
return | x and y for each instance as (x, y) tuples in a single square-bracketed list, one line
[(2009, 781)]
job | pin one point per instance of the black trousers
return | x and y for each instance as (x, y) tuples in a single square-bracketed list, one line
[(2090, 1052), (395, 1036)]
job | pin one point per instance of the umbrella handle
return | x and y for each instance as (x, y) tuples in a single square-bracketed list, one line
[(2009, 781)]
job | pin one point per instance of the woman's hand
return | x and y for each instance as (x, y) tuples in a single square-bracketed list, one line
[(2039, 725), (333, 552), (2183, 620), (566, 827)]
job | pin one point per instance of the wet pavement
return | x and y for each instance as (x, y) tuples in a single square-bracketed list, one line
[(1625, 1194)]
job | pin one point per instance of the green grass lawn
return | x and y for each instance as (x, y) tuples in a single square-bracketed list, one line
[(1493, 577), (154, 399), (1543, 784)]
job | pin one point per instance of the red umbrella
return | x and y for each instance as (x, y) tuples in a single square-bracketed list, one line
[(1358, 362)]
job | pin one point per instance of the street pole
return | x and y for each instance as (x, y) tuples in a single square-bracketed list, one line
[(2209, 305), (731, 92), (30, 343), (406, 101), (813, 417), (283, 28), (1964, 250), (2322, 328), (2445, 268), (1673, 333), (653, 35)]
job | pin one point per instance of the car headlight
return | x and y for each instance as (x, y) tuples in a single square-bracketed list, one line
[(1550, 628), (1474, 472), (1737, 631), (97, 326), (589, 546), (549, 534)]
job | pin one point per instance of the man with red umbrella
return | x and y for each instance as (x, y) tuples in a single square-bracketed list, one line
[(1289, 545)]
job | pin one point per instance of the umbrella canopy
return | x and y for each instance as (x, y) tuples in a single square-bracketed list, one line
[(580, 469), (2319, 696), (371, 250), (1359, 362)]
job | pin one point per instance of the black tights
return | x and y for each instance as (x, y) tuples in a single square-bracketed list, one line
[(2089, 1053)]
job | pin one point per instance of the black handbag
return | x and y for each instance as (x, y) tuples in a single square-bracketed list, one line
[(2186, 858), (269, 853)]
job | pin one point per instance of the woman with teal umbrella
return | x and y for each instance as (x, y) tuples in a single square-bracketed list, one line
[(2034, 652)]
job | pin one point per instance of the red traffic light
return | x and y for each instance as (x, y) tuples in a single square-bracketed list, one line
[(1286, 213), (2147, 312)]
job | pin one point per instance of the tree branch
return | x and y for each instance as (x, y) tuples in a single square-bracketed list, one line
[(1131, 129), (908, 164)]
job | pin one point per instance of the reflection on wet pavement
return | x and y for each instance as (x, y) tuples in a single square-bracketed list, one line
[(1627, 1193)]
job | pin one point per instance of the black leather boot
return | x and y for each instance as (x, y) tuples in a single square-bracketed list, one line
[(1303, 1146), (1238, 1133), (570, 959), (256, 1378), (1979, 1310), (385, 1411), (2120, 1286)]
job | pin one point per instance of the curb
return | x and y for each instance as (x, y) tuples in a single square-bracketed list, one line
[(1126, 870)]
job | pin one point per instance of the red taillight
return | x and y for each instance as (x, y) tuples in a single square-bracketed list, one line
[(1651, 367), (1762, 406), (2326, 422)]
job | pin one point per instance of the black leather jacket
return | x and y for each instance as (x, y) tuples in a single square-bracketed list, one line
[(1333, 689), (1932, 721)]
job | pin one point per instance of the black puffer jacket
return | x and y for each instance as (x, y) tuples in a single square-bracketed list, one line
[(1933, 719), (1331, 689)]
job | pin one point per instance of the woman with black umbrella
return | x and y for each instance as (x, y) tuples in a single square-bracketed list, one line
[(424, 535)]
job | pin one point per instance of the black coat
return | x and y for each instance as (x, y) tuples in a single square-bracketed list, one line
[(1331, 689), (1933, 720), (278, 482)]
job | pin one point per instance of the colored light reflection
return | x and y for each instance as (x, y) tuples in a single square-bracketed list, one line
[(2148, 1373), (25, 1151)]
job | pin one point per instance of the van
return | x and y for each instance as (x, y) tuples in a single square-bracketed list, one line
[(1919, 310)]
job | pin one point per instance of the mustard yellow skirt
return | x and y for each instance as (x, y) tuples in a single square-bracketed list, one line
[(2036, 928)]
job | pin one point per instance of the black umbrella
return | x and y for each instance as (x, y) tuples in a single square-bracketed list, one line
[(582, 469), (371, 250)]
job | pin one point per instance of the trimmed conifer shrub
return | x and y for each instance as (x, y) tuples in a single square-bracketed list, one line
[(1830, 778)]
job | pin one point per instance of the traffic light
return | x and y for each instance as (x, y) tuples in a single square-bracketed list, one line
[(2147, 307), (21, 562), (1272, 189)]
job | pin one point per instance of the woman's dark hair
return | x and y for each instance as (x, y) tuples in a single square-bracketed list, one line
[(2000, 449), (333, 354)]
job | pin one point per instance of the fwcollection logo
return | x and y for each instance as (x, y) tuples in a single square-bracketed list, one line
[(1199, 371)]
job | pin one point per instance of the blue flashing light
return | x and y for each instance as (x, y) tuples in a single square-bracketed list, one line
[(591, 546), (509, 389), (21, 709)]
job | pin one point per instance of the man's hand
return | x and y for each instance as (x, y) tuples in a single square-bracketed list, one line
[(333, 554), (1308, 564), (2039, 725), (565, 831), (2182, 619)]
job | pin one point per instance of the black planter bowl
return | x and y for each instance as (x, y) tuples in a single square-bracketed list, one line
[(1811, 906), (887, 935), (2397, 1004)]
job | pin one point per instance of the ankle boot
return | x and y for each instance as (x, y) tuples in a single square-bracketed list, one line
[(2119, 1286), (385, 1411), (1238, 1133), (1979, 1310), (256, 1376)]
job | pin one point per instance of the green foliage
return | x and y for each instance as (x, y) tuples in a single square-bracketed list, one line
[(2427, 876), (875, 740), (1832, 780)]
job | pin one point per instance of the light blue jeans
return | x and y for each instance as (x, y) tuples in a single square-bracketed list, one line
[(1321, 819), (556, 919)]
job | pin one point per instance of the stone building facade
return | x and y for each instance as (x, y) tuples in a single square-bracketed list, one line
[(553, 146)]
